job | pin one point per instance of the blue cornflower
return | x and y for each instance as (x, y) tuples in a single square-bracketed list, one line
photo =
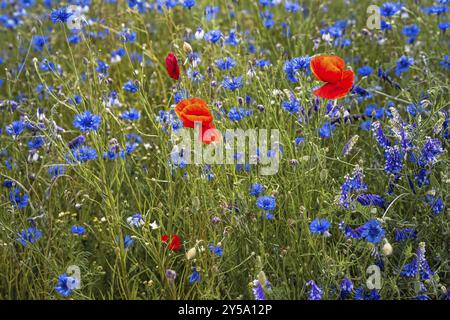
[(422, 296), (39, 42), (188, 4), (435, 10), (213, 36), (256, 189), (393, 157), (444, 25), (237, 114), (286, 29), (349, 232), (74, 39), (413, 109), (180, 95), (232, 83), (292, 6), (405, 234), (127, 241), (79, 230), (293, 105), (326, 130), (346, 288), (232, 38), (46, 66), (352, 184), (267, 18), (77, 99), (366, 125), (411, 31), (315, 293), (82, 154), (130, 86), (35, 142), (194, 277), (445, 63), (18, 198), (362, 93), (116, 55), (194, 75), (114, 152), (262, 63), (127, 36), (76, 142), (211, 12), (217, 250), (226, 63), (403, 64), (371, 199), (66, 285), (291, 67), (30, 235), (131, 115), (194, 58), (15, 128), (136, 220), (87, 121), (385, 25), (8, 184), (365, 71), (373, 295), (60, 15), (267, 203), (372, 231), (102, 67), (299, 140), (389, 9), (320, 226), (359, 294)]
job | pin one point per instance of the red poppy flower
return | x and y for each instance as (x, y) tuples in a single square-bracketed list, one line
[(330, 69), (175, 244), (195, 110), (172, 66)]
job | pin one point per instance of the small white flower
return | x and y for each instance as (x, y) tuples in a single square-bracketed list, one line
[(154, 225), (199, 34)]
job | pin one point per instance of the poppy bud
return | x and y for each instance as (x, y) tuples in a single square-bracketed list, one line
[(191, 253), (187, 48), (387, 248), (172, 66)]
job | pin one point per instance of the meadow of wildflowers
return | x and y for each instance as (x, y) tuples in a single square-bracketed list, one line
[(98, 199)]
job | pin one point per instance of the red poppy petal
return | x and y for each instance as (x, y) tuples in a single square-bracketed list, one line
[(210, 134), (336, 90), (192, 110), (165, 238), (175, 244), (327, 68)]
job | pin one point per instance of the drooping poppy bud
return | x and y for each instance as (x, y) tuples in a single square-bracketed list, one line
[(172, 66)]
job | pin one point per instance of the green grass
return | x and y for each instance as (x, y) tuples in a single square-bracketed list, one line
[(101, 194)]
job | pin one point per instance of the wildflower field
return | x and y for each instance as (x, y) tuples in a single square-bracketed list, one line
[(347, 199)]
